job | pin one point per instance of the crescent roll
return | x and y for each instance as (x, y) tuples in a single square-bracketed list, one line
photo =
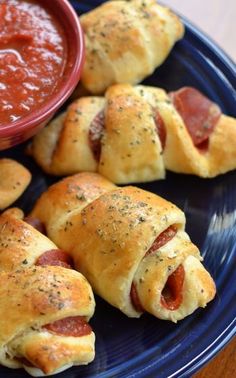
[(116, 136), (134, 133), (43, 319), (204, 137), (125, 41), (132, 247), (14, 179)]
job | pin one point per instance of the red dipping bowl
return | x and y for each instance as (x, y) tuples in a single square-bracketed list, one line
[(24, 128)]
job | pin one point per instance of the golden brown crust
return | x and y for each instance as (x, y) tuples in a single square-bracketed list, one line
[(131, 149), (109, 239), (14, 179), (74, 138), (220, 156), (222, 151), (62, 148), (14, 212), (126, 41), (198, 286), (20, 243), (37, 296), (44, 143), (38, 349), (124, 223), (72, 194), (44, 295)]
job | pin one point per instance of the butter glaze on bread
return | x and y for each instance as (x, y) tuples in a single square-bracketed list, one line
[(126, 41), (14, 179), (38, 296), (220, 156), (132, 148), (20, 243), (73, 193), (109, 238)]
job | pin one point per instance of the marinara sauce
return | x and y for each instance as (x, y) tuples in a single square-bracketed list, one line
[(32, 57)]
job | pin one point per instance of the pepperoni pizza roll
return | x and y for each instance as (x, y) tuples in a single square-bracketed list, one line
[(131, 145), (120, 136), (44, 314), (204, 137), (126, 41), (14, 179), (134, 133), (131, 246)]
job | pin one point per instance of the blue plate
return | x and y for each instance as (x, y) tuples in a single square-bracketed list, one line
[(148, 347)]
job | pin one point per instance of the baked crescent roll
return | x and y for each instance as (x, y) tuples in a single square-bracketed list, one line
[(43, 319), (116, 136), (131, 246), (134, 133), (14, 179), (204, 137), (125, 41)]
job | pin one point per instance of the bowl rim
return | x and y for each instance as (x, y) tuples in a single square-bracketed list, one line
[(38, 116)]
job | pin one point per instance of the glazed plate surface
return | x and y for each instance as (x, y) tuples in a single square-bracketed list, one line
[(148, 347)]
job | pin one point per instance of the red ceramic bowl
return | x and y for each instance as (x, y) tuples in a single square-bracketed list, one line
[(18, 131)]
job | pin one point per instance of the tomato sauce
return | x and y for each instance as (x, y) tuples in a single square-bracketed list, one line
[(33, 53)]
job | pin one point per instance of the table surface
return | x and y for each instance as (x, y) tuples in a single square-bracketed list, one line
[(222, 366), (217, 19)]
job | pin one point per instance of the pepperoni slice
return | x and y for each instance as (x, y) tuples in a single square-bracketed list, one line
[(162, 239), (135, 299), (172, 294), (71, 326), (24, 361), (55, 257), (199, 114), (36, 223), (95, 134), (160, 127), (203, 147)]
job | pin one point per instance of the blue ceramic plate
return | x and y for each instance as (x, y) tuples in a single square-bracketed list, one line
[(148, 347)]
